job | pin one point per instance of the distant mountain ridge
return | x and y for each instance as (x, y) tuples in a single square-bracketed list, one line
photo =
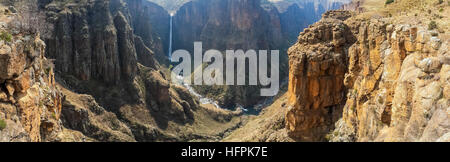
[(170, 5), (282, 5)]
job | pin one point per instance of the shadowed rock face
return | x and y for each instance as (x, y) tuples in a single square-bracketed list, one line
[(93, 40), (151, 23), (229, 24), (297, 15), (30, 103), (296, 18), (107, 50), (226, 24)]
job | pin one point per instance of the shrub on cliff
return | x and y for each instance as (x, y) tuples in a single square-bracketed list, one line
[(6, 37), (2, 124), (432, 25), (389, 2)]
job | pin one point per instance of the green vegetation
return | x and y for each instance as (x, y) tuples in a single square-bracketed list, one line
[(440, 1), (47, 70), (53, 115), (2, 124), (441, 10), (6, 36), (389, 1), (41, 103), (355, 92), (432, 25)]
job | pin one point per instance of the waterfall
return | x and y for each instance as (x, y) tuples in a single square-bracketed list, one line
[(170, 36)]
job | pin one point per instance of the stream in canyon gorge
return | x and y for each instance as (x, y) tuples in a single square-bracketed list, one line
[(181, 80), (180, 41)]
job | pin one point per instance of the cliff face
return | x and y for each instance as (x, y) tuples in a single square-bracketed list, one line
[(151, 23), (239, 24), (96, 40), (391, 79), (398, 80), (115, 88), (244, 24), (87, 46), (225, 25), (318, 65), (30, 103), (170, 5), (296, 16)]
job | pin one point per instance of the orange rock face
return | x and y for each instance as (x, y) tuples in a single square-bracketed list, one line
[(397, 85), (391, 79), (317, 70)]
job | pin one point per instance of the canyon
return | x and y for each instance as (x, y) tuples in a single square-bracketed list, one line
[(358, 76), (100, 70), (246, 25)]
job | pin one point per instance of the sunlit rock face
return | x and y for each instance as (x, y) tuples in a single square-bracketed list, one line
[(30, 103), (391, 79)]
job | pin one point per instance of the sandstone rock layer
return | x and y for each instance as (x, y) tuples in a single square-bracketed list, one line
[(391, 79)]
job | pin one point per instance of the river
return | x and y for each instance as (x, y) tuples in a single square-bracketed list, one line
[(204, 100)]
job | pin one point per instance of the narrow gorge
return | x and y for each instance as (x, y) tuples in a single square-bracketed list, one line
[(359, 76)]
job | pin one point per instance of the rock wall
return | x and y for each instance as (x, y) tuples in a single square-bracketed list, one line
[(151, 23), (96, 40), (30, 103), (391, 79), (398, 82), (317, 70), (296, 16), (115, 88), (227, 24)]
